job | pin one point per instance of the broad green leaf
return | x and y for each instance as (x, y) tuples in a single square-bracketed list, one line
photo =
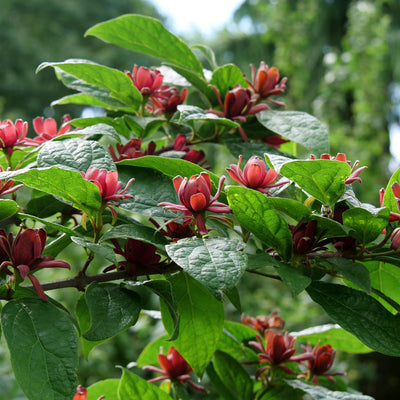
[(322, 179), (201, 321), (147, 35), (94, 130), (132, 386), (75, 155), (289, 207), (217, 263), (334, 335), (257, 215), (318, 392), (69, 185), (104, 251), (299, 127), (45, 206), (136, 230), (94, 94), (112, 310), (83, 316), (43, 347), (225, 78), (388, 198), (117, 123), (367, 226), (355, 272), (194, 113), (208, 53), (234, 376), (292, 278), (385, 278), (116, 82), (7, 208), (143, 126), (150, 188), (107, 388), (87, 100), (359, 314)]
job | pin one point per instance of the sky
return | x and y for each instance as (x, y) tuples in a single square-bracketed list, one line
[(204, 16)]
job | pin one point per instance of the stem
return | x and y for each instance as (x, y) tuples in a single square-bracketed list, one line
[(254, 271)]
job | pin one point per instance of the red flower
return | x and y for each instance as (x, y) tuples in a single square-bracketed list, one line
[(263, 323), (265, 82), (6, 185), (238, 104), (140, 257), (195, 197), (131, 150), (25, 255), (146, 80), (46, 129), (174, 369), (108, 184), (173, 230), (321, 361), (277, 350), (81, 394), (254, 175), (275, 141), (194, 156), (13, 134), (354, 176), (167, 100)]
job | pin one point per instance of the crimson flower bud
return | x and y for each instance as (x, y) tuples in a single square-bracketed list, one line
[(146, 80)]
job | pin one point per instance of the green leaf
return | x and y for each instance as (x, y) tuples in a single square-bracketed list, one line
[(116, 82), (69, 185), (217, 263), (299, 127), (7, 208), (292, 278), (83, 317), (201, 321), (388, 198), (43, 347), (359, 314), (208, 53), (107, 388), (367, 225), (334, 335), (291, 208), (322, 179), (135, 230), (353, 271), (283, 392), (234, 376), (225, 78), (321, 393), (147, 35), (257, 215), (75, 154), (133, 387), (385, 278), (194, 113), (112, 310)]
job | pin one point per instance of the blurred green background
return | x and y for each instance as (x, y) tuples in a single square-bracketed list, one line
[(342, 60)]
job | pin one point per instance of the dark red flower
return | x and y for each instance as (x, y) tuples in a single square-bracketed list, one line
[(46, 129), (396, 193), (174, 368), (262, 323), (131, 150), (174, 231), (167, 99), (254, 175), (195, 197), (265, 82), (238, 104), (354, 176), (305, 239), (275, 141), (24, 254), (146, 80), (194, 156), (13, 134), (140, 257)]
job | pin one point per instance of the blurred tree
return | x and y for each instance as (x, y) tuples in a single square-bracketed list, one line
[(38, 30), (340, 58)]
